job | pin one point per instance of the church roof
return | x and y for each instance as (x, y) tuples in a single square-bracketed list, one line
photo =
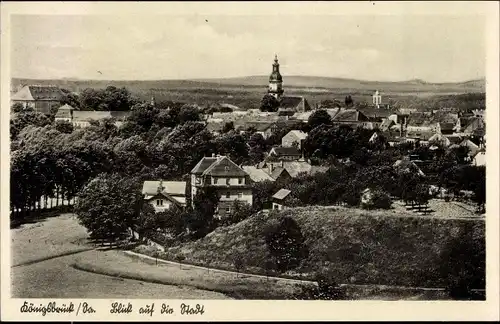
[(38, 92)]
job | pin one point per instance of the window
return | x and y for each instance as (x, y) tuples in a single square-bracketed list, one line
[(198, 180), (240, 180), (228, 194), (226, 168), (228, 182), (159, 202), (215, 180), (228, 210), (240, 195)]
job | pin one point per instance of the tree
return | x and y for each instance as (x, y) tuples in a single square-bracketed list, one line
[(479, 188), (238, 262), (17, 107), (64, 126), (348, 101), (229, 126), (188, 113), (319, 117), (147, 222), (269, 103), (286, 244), (108, 206), (200, 220), (463, 261), (239, 211), (257, 148), (25, 118), (70, 98)]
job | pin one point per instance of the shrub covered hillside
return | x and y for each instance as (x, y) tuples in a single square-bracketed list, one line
[(381, 247)]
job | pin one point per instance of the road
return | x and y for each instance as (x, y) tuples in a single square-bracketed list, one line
[(56, 278)]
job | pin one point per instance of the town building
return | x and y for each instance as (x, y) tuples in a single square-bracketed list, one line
[(294, 138), (230, 181), (289, 105), (41, 98), (260, 127), (64, 113), (377, 99), (272, 172), (162, 195), (82, 118), (294, 168), (279, 199), (284, 154), (480, 158)]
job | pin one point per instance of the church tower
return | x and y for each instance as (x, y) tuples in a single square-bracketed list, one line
[(275, 81)]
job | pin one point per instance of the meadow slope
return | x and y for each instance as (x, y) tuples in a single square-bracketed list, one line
[(376, 247)]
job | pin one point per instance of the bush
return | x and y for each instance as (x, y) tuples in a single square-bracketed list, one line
[(326, 289), (286, 244), (378, 200)]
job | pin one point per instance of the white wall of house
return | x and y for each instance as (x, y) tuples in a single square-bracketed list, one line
[(232, 194), (228, 181), (160, 204), (278, 206)]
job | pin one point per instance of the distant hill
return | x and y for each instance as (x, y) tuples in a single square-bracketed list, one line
[(260, 82), (342, 83)]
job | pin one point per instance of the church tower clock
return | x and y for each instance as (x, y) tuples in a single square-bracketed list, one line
[(275, 81)]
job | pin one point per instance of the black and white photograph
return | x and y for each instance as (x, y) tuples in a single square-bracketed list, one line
[(296, 156)]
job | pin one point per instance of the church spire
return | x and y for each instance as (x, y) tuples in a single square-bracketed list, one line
[(275, 80)]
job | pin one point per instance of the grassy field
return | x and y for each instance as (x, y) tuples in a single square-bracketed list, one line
[(44, 269), (47, 238), (377, 247)]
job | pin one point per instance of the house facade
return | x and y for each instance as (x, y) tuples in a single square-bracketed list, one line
[(39, 97), (230, 181), (162, 195), (294, 138)]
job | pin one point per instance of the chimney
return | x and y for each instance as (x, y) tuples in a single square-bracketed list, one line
[(160, 187), (213, 154), (281, 163)]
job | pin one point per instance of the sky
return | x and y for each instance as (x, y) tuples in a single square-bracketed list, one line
[(434, 48)]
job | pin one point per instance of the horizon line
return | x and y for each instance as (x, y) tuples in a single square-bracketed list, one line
[(483, 78)]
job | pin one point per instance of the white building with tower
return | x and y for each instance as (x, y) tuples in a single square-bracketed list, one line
[(377, 99)]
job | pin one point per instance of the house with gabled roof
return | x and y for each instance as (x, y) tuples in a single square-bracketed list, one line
[(272, 172), (42, 98), (284, 154), (64, 113), (230, 181), (163, 195), (294, 138), (279, 199)]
